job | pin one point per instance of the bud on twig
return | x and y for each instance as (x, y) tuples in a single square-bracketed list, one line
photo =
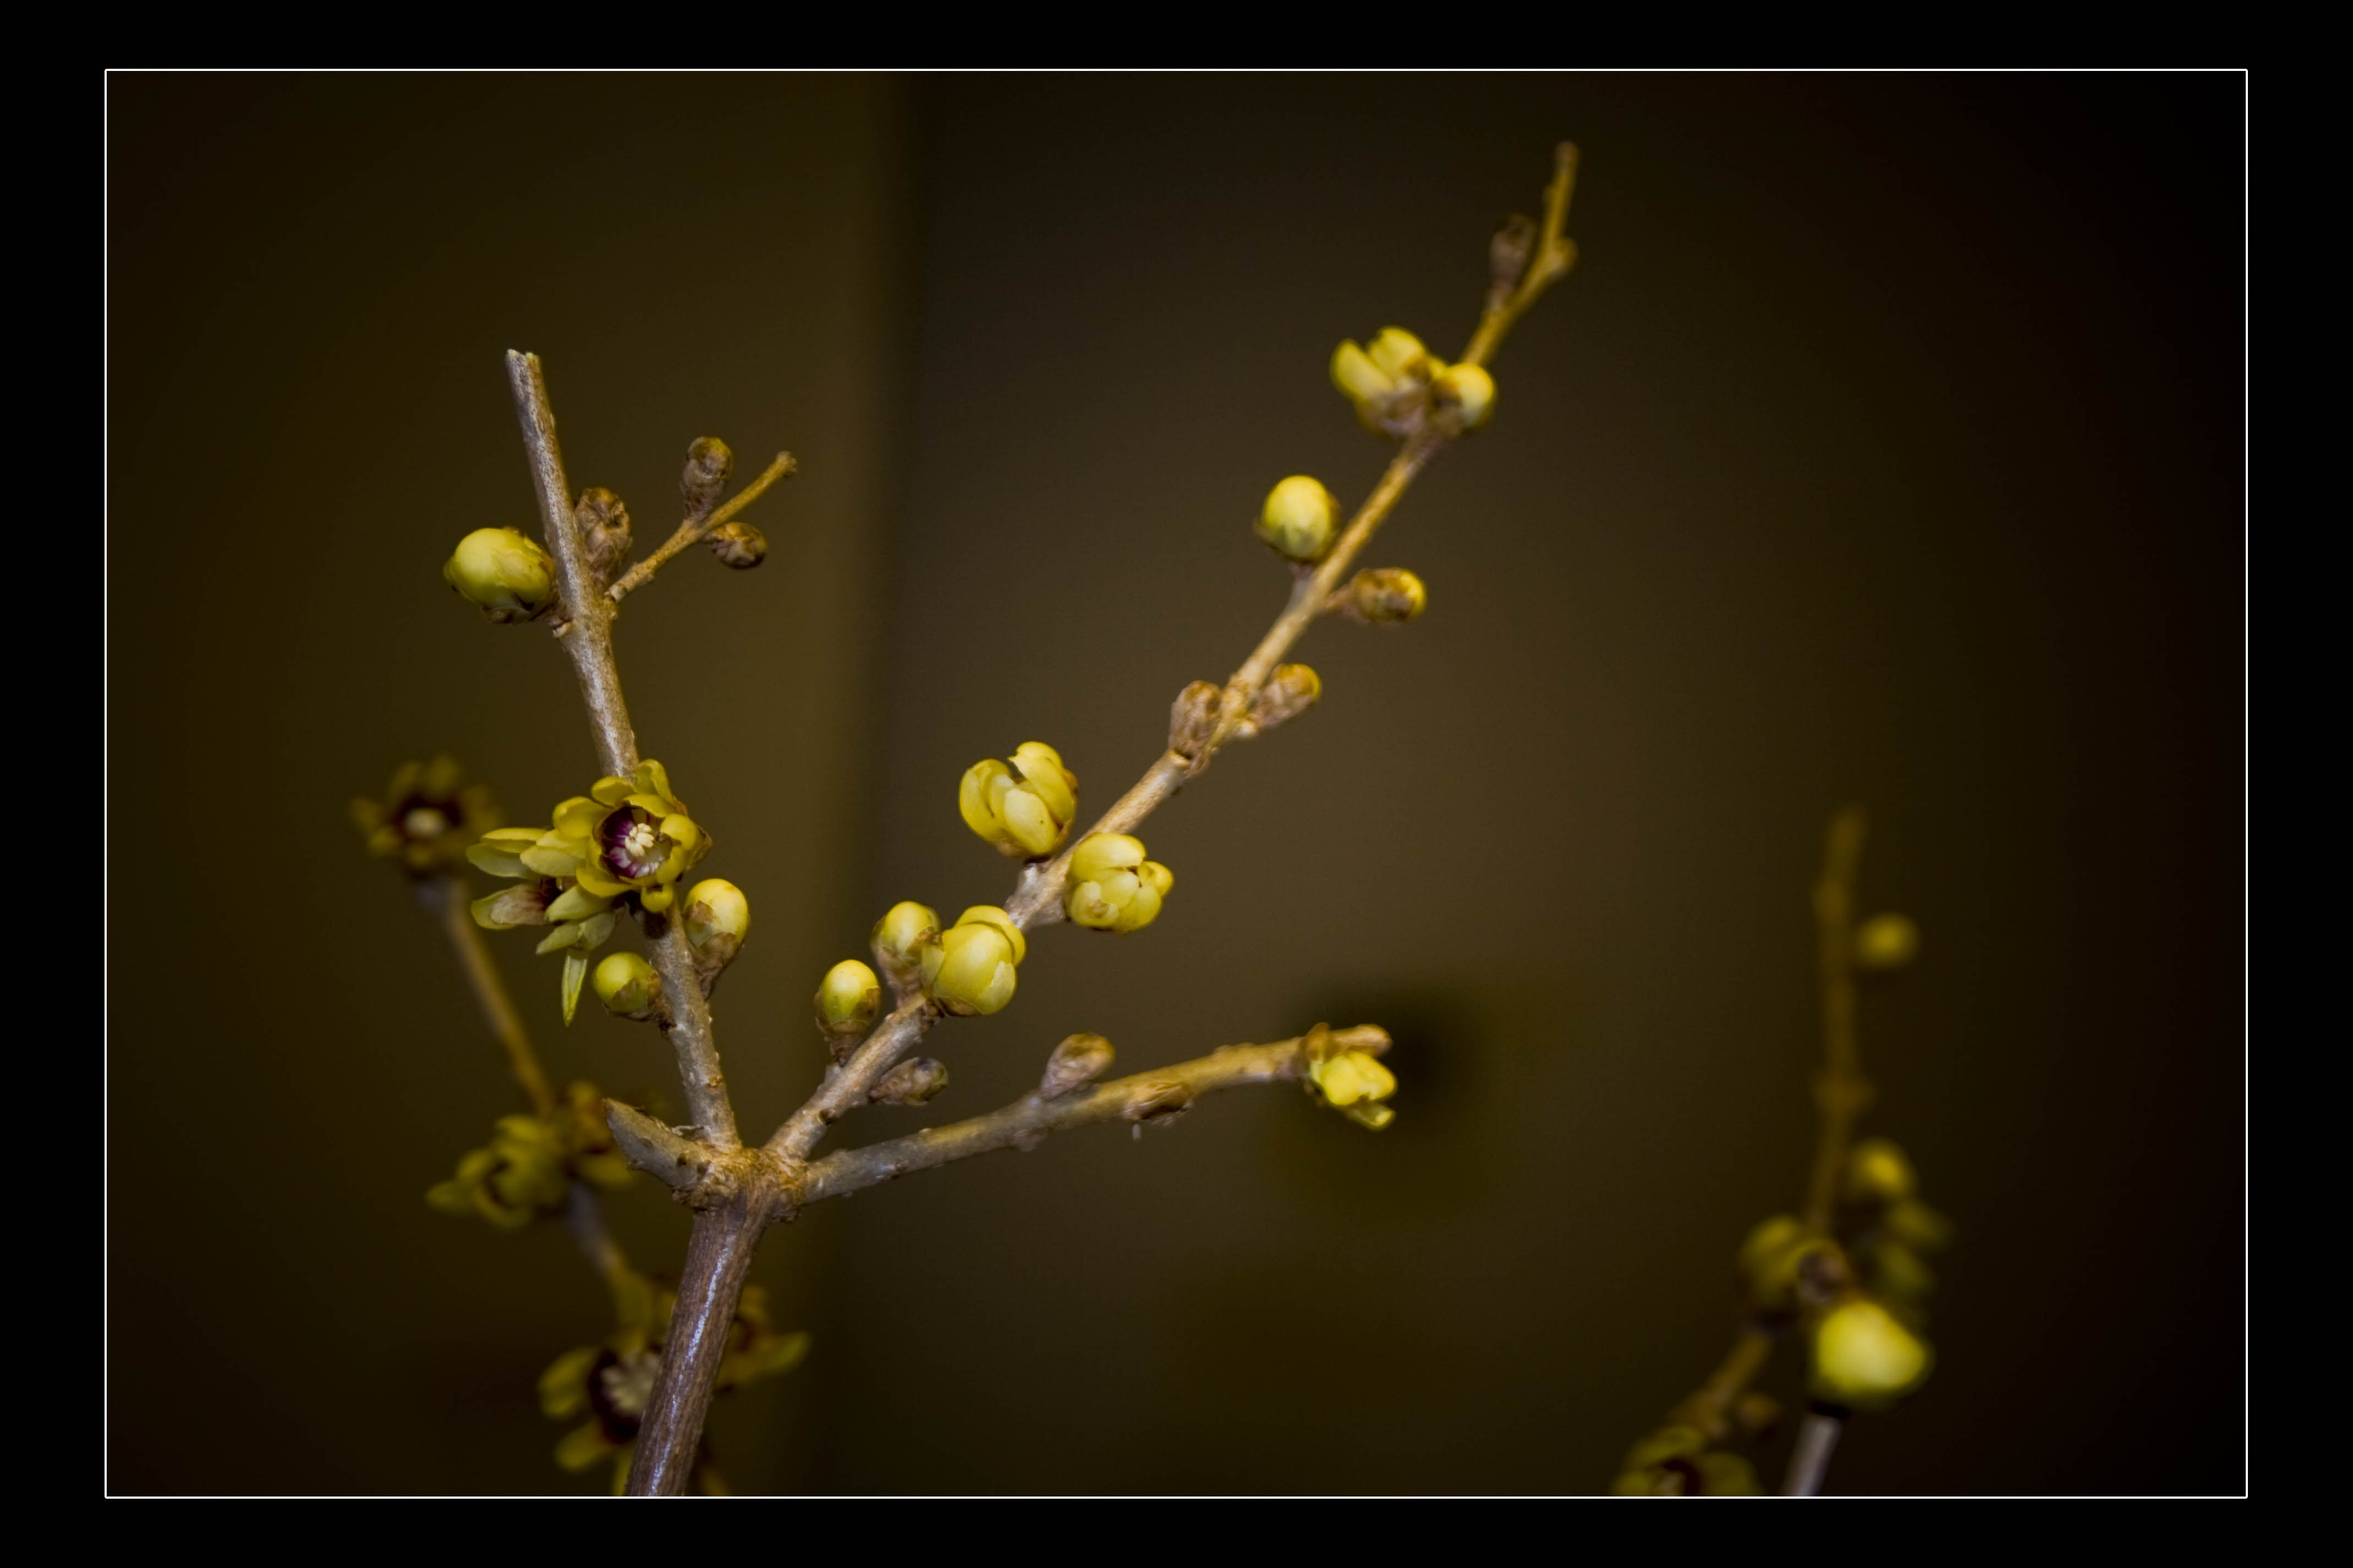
[(1886, 941), (1024, 806), (603, 529), (1193, 718), (1863, 1356), (1508, 253), (739, 545), (1381, 596), (1076, 1062), (718, 918), (700, 483), (912, 1082), (848, 999), (628, 986), (901, 941), (1113, 886), (504, 571), (1290, 691), (1299, 519), (971, 969), (1462, 397), (1160, 1103)]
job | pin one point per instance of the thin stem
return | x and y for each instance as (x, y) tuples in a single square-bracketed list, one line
[(446, 896), (584, 1217), (1811, 1458), (696, 529), (1841, 1091), (587, 640), (1550, 259), (1147, 1096), (1709, 1409), (718, 1259)]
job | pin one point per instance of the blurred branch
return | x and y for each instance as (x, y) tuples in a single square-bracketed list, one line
[(444, 897), (696, 529), (1841, 1091), (1816, 1439)]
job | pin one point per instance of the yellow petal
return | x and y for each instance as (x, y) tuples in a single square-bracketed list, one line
[(990, 915), (610, 791), (1028, 824), (654, 778), (576, 970), (578, 817), (658, 898), (564, 1386), (594, 877), (550, 862), (971, 799), (582, 1446), (496, 861), (574, 903)]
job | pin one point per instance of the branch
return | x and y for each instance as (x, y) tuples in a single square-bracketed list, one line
[(1709, 1409), (1841, 1091), (1811, 1458), (446, 896), (1551, 257), (587, 640), (1146, 1097), (696, 529)]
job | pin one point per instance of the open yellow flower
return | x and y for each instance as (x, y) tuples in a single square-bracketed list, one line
[(427, 817), (1352, 1082)]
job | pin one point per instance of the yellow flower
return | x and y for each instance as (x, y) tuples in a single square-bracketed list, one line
[(627, 841), (1024, 808), (427, 816), (1113, 885), (1864, 1356), (1351, 1081), (972, 968), (526, 1170)]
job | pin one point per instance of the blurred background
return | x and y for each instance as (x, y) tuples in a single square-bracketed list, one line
[(1884, 446)]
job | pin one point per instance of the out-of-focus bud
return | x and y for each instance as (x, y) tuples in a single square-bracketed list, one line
[(1877, 1172), (1076, 1062), (739, 544), (1914, 1224), (1508, 252), (1299, 519), (912, 1082), (1290, 691), (1863, 1356), (848, 999), (1113, 886), (904, 939), (1780, 1260), (1886, 941), (701, 482), (1898, 1274), (1675, 1461), (1462, 395), (1757, 1414), (504, 573), (604, 529), (627, 985), (1398, 353), (1382, 596), (1193, 719), (972, 970), (1023, 807), (1386, 381)]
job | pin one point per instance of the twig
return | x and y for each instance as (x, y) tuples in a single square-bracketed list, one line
[(696, 529), (1553, 255), (1709, 1409), (588, 641), (1841, 1091), (446, 898), (1816, 1438)]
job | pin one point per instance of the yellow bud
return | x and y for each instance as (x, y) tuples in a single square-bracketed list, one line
[(717, 911), (1772, 1258), (991, 915), (1464, 396), (1886, 941), (1397, 352), (848, 999), (972, 970), (1290, 691), (1382, 596), (1877, 1172), (1863, 1356), (1023, 805), (627, 985), (1113, 886), (508, 574), (1357, 377), (902, 939), (1299, 519)]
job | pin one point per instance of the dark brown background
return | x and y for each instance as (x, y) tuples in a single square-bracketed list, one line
[(1884, 446)]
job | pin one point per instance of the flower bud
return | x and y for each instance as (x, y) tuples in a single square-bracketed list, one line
[(1508, 252), (739, 544), (1193, 719), (700, 483), (1024, 808), (1299, 519), (1914, 1224), (912, 1082), (1886, 941), (1159, 1103), (1290, 691), (603, 529), (505, 573), (1863, 1356), (1386, 381), (902, 940), (1398, 353), (848, 999), (1354, 1083), (1779, 1262), (972, 970), (718, 918), (1076, 1062), (1113, 886), (1877, 1172), (1899, 1274), (1463, 396), (627, 985), (1382, 596)]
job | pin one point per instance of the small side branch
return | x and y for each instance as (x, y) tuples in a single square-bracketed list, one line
[(1811, 1458), (445, 897), (1841, 1091), (695, 530)]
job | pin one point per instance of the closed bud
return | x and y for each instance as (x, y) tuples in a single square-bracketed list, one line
[(1886, 941), (1193, 719), (1299, 519), (1783, 1263), (1878, 1173), (1290, 691), (1914, 1224), (1076, 1062), (1463, 396), (1863, 1356), (718, 918), (902, 940), (1023, 805), (603, 529), (627, 985), (1508, 252), (912, 1082), (704, 478), (739, 545), (972, 970), (1159, 1103), (1398, 353), (1386, 381), (1113, 886), (1899, 1274), (504, 573), (1382, 596), (848, 999)]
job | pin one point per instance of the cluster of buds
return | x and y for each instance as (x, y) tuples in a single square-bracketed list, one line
[(1299, 519), (1395, 384), (1024, 805), (505, 573), (1113, 886), (1346, 1074), (970, 969), (426, 817), (1676, 1461), (527, 1169), (626, 842)]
